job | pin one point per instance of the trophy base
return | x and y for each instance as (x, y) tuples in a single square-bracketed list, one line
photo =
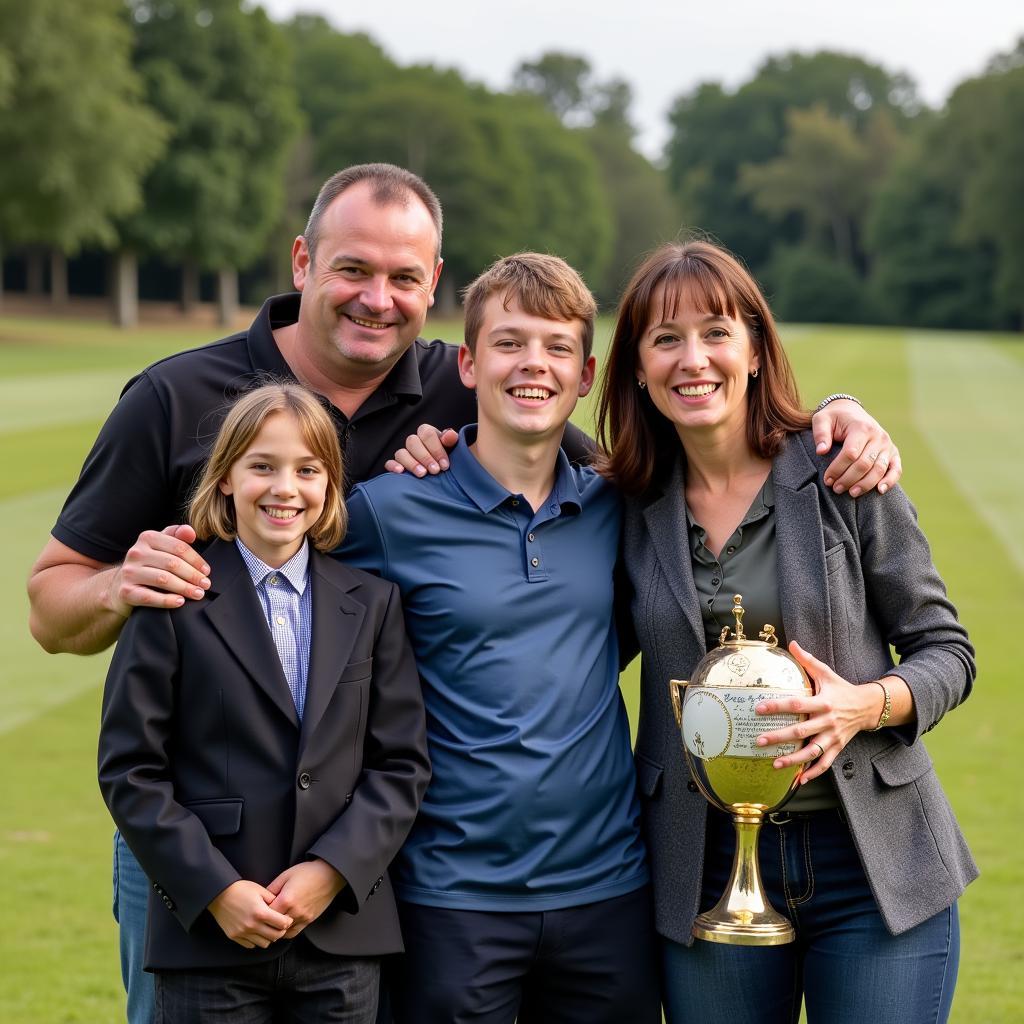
[(744, 928)]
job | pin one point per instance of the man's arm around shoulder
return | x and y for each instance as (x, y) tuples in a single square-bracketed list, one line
[(79, 605)]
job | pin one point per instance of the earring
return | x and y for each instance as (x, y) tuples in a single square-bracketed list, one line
[(754, 372), (642, 384)]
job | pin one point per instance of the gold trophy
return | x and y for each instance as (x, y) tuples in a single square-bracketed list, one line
[(720, 728)]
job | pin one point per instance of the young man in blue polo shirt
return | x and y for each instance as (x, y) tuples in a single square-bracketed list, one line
[(523, 887)]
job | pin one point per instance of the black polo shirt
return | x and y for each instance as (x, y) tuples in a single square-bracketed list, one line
[(146, 461)]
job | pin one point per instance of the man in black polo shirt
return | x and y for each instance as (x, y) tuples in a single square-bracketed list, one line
[(366, 269)]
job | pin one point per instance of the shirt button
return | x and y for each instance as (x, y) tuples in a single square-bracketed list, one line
[(280, 620), (729, 550), (530, 537), (304, 780), (716, 581), (535, 562)]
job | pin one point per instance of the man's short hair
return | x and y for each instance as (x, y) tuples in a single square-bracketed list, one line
[(543, 285), (390, 185)]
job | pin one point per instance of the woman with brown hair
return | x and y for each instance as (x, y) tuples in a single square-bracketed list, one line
[(705, 434)]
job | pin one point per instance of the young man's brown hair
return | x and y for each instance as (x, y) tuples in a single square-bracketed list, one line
[(543, 285)]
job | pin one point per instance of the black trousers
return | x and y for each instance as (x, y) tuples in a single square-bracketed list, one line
[(593, 964), (302, 986)]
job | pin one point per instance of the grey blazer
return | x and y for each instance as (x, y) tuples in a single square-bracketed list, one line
[(854, 577)]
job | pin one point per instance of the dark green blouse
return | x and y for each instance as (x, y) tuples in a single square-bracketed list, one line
[(748, 565)]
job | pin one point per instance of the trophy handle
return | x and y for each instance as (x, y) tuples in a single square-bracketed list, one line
[(675, 687)]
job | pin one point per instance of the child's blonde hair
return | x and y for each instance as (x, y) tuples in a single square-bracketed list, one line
[(212, 514)]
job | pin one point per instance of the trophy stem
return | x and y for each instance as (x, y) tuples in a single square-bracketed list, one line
[(743, 916)]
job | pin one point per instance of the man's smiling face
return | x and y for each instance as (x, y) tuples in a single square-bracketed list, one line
[(369, 284)]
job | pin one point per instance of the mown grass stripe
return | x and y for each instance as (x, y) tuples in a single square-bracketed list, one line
[(965, 388)]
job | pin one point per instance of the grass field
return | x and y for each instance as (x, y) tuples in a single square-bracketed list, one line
[(953, 401)]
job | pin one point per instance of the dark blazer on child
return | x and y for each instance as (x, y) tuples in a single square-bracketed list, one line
[(211, 777)]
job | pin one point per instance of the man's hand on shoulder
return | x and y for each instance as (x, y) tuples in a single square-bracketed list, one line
[(78, 605), (160, 570)]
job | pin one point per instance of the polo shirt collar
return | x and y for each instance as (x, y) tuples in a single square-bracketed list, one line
[(487, 494), (295, 570), (283, 310)]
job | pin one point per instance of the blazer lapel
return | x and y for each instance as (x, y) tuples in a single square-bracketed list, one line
[(334, 635), (803, 587), (670, 536), (235, 612)]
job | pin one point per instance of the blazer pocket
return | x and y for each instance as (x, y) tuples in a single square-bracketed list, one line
[(220, 817), (648, 775), (899, 764), (835, 558), (356, 670)]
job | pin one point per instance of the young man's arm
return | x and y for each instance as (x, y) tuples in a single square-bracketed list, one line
[(79, 605)]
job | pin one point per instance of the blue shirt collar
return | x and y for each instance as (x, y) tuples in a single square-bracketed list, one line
[(295, 570), (488, 494)]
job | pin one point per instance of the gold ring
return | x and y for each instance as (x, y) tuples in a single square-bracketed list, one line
[(821, 750)]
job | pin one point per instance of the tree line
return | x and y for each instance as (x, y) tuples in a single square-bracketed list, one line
[(196, 132)]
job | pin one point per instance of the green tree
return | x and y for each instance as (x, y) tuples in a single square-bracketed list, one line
[(822, 174), (221, 75), (946, 234), (561, 80), (74, 130), (643, 213), (922, 270), (508, 174), (715, 133), (985, 116)]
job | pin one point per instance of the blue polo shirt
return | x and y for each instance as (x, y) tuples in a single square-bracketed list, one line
[(532, 804)]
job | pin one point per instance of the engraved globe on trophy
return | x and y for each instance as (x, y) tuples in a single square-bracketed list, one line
[(719, 728)]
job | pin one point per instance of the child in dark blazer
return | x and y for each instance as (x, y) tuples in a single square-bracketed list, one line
[(263, 750)]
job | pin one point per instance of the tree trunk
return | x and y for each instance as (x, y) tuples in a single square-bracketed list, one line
[(1, 276), (34, 271), (126, 289), (227, 295), (58, 279), (189, 287), (447, 304)]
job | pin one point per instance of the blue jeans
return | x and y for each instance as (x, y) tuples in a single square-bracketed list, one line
[(844, 963), (131, 895)]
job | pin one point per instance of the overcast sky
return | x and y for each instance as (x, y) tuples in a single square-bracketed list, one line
[(666, 47)]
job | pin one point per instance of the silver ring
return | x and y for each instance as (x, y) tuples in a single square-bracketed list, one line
[(872, 456)]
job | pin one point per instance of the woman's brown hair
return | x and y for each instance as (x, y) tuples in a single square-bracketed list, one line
[(640, 445), (212, 514)]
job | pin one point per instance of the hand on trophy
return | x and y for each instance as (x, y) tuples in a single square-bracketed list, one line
[(835, 714)]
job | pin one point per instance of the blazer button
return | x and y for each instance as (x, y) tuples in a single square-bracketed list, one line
[(847, 769), (304, 780), (348, 799), (692, 786)]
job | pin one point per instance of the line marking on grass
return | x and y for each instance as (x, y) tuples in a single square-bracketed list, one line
[(52, 399), (968, 404), (32, 681)]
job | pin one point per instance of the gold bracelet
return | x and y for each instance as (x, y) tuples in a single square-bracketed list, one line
[(886, 705)]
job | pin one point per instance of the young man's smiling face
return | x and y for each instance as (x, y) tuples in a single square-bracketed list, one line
[(528, 372)]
